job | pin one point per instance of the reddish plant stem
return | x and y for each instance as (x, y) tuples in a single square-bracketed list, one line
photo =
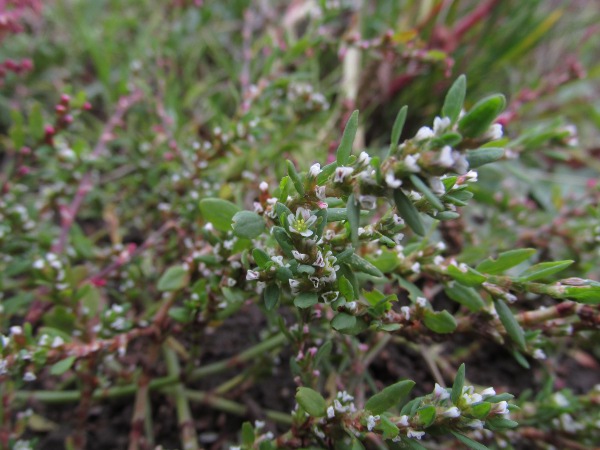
[(478, 14), (68, 214)]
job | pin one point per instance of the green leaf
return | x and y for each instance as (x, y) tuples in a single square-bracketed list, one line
[(505, 261), (305, 268), (483, 156), (510, 323), (439, 321), (346, 289), (271, 296), (389, 397), (427, 415), (248, 224), (362, 265), (481, 410), (62, 366), (284, 241), (323, 353), (306, 300), (585, 294), (455, 99), (470, 277), (345, 148), (174, 278), (500, 423), (353, 218), (468, 441), (343, 321), (424, 189), (219, 212), (386, 261), (284, 189), (543, 270), (326, 172), (311, 401), (465, 296), (397, 128), (389, 429), (479, 118), (247, 434), (260, 257), (180, 314), (36, 122), (295, 178), (459, 383), (504, 397), (408, 212)]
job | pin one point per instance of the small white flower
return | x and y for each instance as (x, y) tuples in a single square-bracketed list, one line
[(277, 260), (437, 187), (397, 220), (252, 275), (476, 424), (16, 330), (259, 424), (440, 125), (471, 176), (330, 297), (402, 421), (438, 260), (368, 201), (415, 434), (416, 267), (315, 170), (440, 393), (406, 311), (422, 302), (392, 181), (302, 257), (452, 412), (446, 158), (494, 132), (372, 422), (489, 392), (410, 162), (560, 399), (539, 354), (341, 173), (29, 376), (330, 412), (39, 264), (500, 408), (351, 306), (301, 222), (57, 342), (424, 133), (319, 261), (364, 158)]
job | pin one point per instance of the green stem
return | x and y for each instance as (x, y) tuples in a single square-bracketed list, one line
[(189, 440), (231, 407), (156, 384)]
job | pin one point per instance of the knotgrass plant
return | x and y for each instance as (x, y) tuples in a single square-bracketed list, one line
[(215, 169)]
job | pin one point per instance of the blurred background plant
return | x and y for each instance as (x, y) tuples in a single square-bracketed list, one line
[(117, 118)]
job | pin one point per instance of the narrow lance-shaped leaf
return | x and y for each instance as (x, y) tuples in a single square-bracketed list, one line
[(439, 321), (295, 177), (397, 128), (362, 265), (353, 218), (345, 148), (468, 441), (505, 261), (543, 270), (457, 387), (482, 156), (271, 296), (389, 397), (424, 189), (465, 296), (510, 323), (478, 120), (408, 212), (260, 257), (455, 99)]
